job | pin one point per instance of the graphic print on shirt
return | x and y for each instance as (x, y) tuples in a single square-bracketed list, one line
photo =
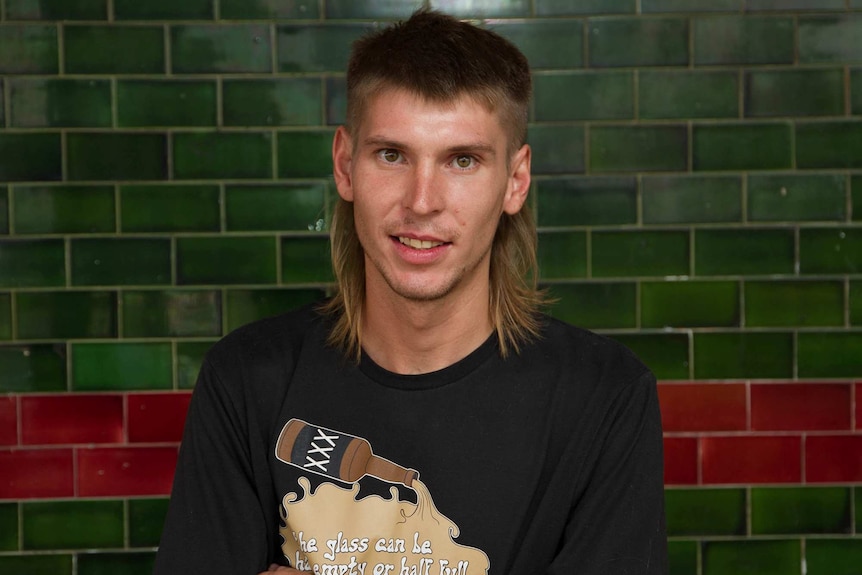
[(331, 531)]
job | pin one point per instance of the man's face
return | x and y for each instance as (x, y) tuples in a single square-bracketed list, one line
[(428, 182)]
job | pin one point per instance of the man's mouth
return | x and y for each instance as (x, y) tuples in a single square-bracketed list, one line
[(419, 244)]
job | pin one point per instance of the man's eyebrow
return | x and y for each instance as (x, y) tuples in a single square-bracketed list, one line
[(483, 148)]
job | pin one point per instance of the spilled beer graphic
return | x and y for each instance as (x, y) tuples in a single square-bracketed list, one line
[(332, 532)]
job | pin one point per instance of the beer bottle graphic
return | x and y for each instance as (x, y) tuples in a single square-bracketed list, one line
[(337, 455)]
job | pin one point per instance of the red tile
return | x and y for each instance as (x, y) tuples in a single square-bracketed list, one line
[(155, 417), (8, 421), (680, 460), (800, 406), (747, 459), (833, 458), (126, 471), (702, 406), (68, 419), (27, 473)]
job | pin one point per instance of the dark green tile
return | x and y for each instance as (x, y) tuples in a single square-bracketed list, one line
[(56, 10), (33, 368), (336, 100), (687, 94), (546, 43), (665, 354), (190, 355), (246, 306), (8, 526), (638, 148), (32, 263), (65, 315), (595, 305), (205, 49), (749, 146), (755, 5), (273, 102), (5, 316), (266, 9), (743, 40), (166, 103), (584, 96), (797, 198), (752, 557), (121, 366), (638, 42), (775, 93), (33, 157), (856, 304), (856, 197), (682, 557), (28, 49), (226, 260), (829, 354), (305, 260), (171, 313), (857, 492), (110, 563), (484, 8), (569, 8), (305, 154), (36, 564), (856, 91), (800, 510), (743, 355), (691, 199), (744, 252), (681, 304), (830, 39), (693, 512), (72, 524), (379, 9), (146, 518), (163, 10), (44, 103), (64, 209), (169, 208), (222, 155), (562, 255), (685, 6), (299, 207), (833, 556), (4, 211), (116, 156), (830, 250), (586, 201), (557, 149), (639, 253), (113, 49), (121, 261), (317, 47), (797, 303), (829, 145)]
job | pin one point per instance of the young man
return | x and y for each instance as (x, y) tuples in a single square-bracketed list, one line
[(427, 420)]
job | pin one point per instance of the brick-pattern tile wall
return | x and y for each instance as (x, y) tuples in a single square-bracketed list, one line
[(165, 178)]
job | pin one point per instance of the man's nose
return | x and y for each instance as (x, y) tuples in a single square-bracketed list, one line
[(425, 194)]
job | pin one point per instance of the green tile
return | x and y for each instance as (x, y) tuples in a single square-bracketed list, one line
[(638, 42), (744, 251), (638, 148), (569, 8), (586, 201), (693, 512), (2, 103), (4, 211), (33, 368), (752, 557), (682, 557), (56, 10), (246, 306), (800, 510), (857, 496), (146, 518), (190, 355), (273, 102), (684, 6), (50, 525), (595, 305), (52, 103), (5, 316), (169, 208), (110, 563), (545, 43), (226, 260), (32, 263), (28, 49), (856, 197), (743, 355), (665, 354), (794, 93), (639, 253), (171, 313), (121, 261), (557, 148), (113, 49), (562, 255), (829, 354), (317, 47), (687, 94), (680, 304), (755, 5), (116, 156), (163, 9), (121, 366), (796, 303), (299, 207), (484, 8), (691, 199), (63, 209), (856, 91), (166, 103), (797, 198), (8, 526), (833, 556), (33, 157), (305, 154), (36, 564), (305, 260), (584, 96), (377, 9), (829, 145), (266, 9), (856, 304), (204, 49), (749, 146), (65, 315), (830, 250), (336, 100), (743, 40), (830, 39), (218, 155)]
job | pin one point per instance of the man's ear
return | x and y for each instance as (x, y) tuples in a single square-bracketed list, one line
[(519, 181), (342, 160)]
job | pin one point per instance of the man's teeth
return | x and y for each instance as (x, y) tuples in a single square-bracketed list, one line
[(419, 244)]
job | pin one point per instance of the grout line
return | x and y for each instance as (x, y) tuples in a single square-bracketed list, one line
[(61, 50), (216, 10), (111, 11)]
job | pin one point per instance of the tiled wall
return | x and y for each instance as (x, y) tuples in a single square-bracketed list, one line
[(164, 178)]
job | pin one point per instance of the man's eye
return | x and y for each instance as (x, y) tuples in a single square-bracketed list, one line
[(464, 161), (390, 156)]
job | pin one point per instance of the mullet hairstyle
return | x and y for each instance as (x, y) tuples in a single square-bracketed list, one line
[(440, 59)]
